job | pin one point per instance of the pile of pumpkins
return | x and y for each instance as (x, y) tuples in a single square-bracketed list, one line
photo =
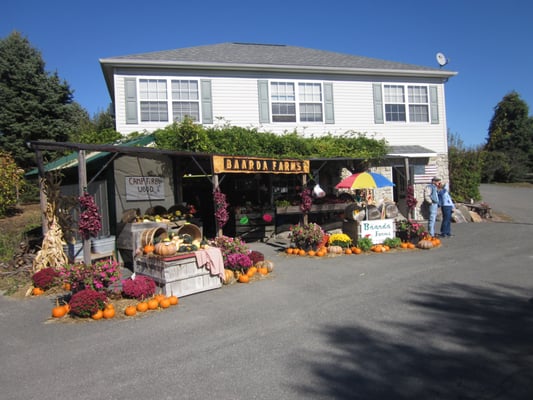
[(261, 268), (159, 301), (173, 244)]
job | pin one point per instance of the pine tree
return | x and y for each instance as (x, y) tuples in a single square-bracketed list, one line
[(34, 104)]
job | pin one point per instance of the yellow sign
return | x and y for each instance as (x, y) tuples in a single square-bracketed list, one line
[(255, 165)]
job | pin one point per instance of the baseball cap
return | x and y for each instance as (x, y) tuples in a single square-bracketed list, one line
[(435, 179)]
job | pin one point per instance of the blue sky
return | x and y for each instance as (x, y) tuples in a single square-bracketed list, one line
[(487, 42)]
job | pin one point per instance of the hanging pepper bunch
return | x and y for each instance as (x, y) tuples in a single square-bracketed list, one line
[(307, 201), (90, 221), (221, 208)]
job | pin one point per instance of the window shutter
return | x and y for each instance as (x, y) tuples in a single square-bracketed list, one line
[(329, 115), (434, 104), (207, 102), (378, 104), (130, 91), (264, 111)]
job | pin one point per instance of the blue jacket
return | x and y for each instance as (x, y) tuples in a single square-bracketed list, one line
[(444, 197)]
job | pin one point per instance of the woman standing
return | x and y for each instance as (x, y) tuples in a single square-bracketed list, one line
[(447, 207)]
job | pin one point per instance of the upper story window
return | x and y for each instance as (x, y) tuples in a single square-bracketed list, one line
[(291, 105), (185, 100), (399, 107), (153, 96)]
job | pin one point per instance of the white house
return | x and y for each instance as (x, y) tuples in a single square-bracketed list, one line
[(279, 88)]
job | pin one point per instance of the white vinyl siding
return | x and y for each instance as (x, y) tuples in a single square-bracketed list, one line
[(235, 101)]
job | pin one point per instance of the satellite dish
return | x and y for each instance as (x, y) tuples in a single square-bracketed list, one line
[(441, 59)]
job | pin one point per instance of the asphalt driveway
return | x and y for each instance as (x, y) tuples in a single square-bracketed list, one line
[(454, 322)]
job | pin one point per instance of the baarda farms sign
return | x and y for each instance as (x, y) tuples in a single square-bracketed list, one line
[(254, 165)]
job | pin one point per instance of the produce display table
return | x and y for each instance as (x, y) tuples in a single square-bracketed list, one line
[(184, 273)]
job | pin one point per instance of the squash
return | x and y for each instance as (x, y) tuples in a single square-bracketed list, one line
[(243, 278), (173, 300), (109, 312), (269, 265), (425, 244), (97, 315), (164, 303), (149, 248), (142, 306), (59, 311), (251, 271), (165, 248)]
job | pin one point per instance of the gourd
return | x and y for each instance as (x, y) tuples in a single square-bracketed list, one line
[(425, 244), (167, 248)]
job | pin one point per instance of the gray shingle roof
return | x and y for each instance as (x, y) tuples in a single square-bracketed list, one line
[(251, 54)]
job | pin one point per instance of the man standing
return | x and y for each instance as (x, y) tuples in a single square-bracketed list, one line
[(431, 197)]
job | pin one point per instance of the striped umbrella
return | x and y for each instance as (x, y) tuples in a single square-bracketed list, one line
[(364, 180)]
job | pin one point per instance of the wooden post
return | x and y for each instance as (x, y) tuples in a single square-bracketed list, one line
[(43, 200), (82, 186), (215, 187), (304, 186)]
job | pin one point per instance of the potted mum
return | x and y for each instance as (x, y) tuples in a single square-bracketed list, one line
[(409, 230), (306, 236)]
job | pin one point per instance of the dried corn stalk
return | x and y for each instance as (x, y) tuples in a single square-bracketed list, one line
[(51, 253)]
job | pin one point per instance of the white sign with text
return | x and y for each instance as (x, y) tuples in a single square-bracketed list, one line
[(145, 188), (377, 230)]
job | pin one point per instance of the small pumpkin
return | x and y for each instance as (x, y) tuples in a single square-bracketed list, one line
[(109, 312), (130, 311), (173, 300), (142, 306), (164, 303), (356, 250), (289, 250), (153, 304), (348, 251), (251, 271), (335, 249), (243, 278), (167, 248), (98, 315), (302, 252), (59, 311), (228, 276), (159, 297), (263, 270), (425, 244), (149, 248), (37, 291)]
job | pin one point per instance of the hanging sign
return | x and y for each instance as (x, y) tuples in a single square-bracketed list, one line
[(255, 165), (145, 188), (377, 230)]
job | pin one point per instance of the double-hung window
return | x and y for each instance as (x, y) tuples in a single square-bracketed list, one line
[(185, 100), (153, 96), (399, 107), (291, 102)]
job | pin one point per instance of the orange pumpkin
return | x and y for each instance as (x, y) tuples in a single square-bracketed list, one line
[(312, 253), (165, 248), (159, 297), (411, 245), (302, 252), (348, 251), (243, 278), (356, 250), (153, 304), (97, 315), (130, 311), (149, 248), (321, 253), (37, 291), (142, 306), (263, 270), (251, 271), (164, 303), (404, 245), (59, 311), (109, 312), (173, 300), (289, 250)]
